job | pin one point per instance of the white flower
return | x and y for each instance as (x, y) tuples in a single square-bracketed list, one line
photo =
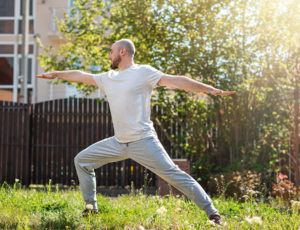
[(210, 222), (251, 192), (140, 227), (89, 206), (178, 202), (295, 204), (254, 220), (161, 211), (178, 209)]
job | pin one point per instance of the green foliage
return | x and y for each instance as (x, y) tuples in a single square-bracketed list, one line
[(247, 46)]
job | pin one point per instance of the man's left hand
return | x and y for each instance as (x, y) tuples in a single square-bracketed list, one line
[(221, 92)]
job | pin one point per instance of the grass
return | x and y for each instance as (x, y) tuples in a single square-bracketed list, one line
[(34, 209)]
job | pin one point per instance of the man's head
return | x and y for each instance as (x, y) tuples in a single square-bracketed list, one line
[(121, 50)]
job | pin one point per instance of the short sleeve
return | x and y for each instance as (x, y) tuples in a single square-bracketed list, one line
[(153, 75), (98, 78)]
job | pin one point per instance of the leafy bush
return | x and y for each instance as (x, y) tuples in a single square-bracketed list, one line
[(242, 185), (284, 189)]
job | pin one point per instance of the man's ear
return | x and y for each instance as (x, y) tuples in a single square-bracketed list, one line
[(122, 51)]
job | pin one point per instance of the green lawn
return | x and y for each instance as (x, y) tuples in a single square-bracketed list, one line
[(33, 209)]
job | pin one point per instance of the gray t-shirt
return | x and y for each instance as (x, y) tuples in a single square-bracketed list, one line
[(129, 93)]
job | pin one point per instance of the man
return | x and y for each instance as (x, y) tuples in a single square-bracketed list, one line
[(128, 92)]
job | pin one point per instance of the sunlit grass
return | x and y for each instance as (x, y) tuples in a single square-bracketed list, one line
[(33, 209)]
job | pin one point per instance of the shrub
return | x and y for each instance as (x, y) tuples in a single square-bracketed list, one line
[(240, 184), (284, 189)]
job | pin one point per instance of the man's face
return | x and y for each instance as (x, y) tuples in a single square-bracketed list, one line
[(114, 56)]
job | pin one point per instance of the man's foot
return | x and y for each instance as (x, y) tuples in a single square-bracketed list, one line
[(216, 218), (86, 212)]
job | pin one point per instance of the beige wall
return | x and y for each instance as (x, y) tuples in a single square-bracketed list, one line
[(43, 21), (45, 91), (6, 95)]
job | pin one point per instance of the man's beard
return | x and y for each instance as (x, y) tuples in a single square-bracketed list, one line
[(115, 63)]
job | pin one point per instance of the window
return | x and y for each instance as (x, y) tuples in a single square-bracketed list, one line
[(29, 62), (30, 49), (6, 49), (7, 8), (31, 22), (8, 56), (30, 8), (6, 70), (31, 29), (11, 16), (7, 13), (7, 26), (29, 69), (6, 64)]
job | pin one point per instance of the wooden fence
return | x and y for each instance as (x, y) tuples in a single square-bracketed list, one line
[(39, 142), (14, 142)]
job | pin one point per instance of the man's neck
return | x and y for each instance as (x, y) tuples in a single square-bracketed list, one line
[(125, 65)]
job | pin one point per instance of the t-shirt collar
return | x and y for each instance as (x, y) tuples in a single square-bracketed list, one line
[(121, 71)]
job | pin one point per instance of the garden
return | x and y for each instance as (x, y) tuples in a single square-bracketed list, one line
[(243, 149)]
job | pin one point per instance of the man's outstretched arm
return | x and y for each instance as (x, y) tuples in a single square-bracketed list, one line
[(188, 84), (71, 76)]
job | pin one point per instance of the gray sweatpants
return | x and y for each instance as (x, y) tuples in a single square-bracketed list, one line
[(148, 152)]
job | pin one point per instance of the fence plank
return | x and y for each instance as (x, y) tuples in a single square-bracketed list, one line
[(39, 143), (15, 156), (60, 143), (46, 144), (25, 153), (35, 128), (20, 125), (66, 142), (71, 152), (76, 128), (5, 152), (1, 142), (10, 153)]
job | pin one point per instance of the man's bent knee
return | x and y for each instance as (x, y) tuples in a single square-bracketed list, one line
[(77, 159)]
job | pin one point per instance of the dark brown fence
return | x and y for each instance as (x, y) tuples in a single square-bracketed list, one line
[(14, 142), (39, 142)]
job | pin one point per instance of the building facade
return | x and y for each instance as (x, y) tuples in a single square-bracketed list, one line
[(42, 17)]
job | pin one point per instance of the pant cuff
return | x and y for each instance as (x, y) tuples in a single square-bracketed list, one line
[(210, 210)]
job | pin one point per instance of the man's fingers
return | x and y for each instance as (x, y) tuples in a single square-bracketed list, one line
[(228, 92), (45, 76), (221, 92)]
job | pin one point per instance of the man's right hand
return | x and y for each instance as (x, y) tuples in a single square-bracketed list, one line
[(50, 75), (71, 76)]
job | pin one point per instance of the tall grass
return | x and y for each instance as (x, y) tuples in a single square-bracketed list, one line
[(48, 209)]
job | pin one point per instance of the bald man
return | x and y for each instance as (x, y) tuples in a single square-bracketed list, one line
[(128, 92)]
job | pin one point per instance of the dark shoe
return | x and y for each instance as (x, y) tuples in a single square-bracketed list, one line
[(86, 212), (216, 218)]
